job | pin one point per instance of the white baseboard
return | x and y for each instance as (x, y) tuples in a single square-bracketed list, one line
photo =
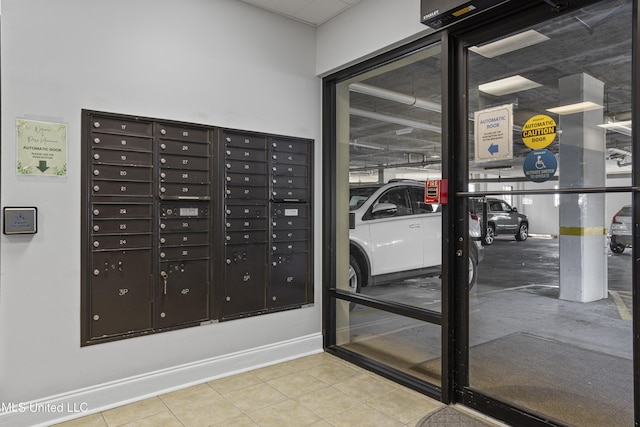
[(86, 401)]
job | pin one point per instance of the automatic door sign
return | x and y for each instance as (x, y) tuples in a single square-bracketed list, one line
[(41, 147), (539, 131), (493, 133), (540, 165)]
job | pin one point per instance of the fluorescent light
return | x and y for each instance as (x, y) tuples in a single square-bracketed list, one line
[(508, 85), (623, 127), (579, 107), (510, 44)]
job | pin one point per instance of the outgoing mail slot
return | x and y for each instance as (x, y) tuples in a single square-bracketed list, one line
[(244, 237), (183, 162), (173, 253), (182, 239), (183, 296), (120, 126), (119, 157), (288, 247), (169, 190), (289, 170), (289, 235), (121, 142), (245, 179), (182, 133), (185, 176), (235, 166), (246, 211), (121, 226), (104, 210), (289, 194), (259, 193), (289, 223), (184, 224), (246, 154), (121, 188), (245, 224), (289, 146), (245, 141), (186, 148), (123, 242), (288, 158), (122, 173)]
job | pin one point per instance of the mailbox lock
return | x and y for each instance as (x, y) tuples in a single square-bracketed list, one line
[(228, 178), (169, 211), (163, 146), (163, 175), (96, 272), (96, 244), (228, 165), (96, 188), (163, 240), (164, 276), (96, 228), (228, 238), (162, 131), (228, 152), (163, 160), (162, 255), (96, 317), (162, 189), (96, 140), (96, 172), (459, 252), (163, 226), (96, 212), (96, 156), (274, 157), (163, 314), (96, 124), (274, 298), (228, 299)]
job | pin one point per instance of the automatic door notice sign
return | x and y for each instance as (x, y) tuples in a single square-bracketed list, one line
[(41, 148), (539, 131), (540, 165), (493, 133)]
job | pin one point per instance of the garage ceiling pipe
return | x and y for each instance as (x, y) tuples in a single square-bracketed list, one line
[(390, 95)]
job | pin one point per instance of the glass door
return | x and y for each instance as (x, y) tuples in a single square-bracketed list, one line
[(550, 176)]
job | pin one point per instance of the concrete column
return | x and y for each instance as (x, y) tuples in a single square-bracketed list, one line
[(583, 260)]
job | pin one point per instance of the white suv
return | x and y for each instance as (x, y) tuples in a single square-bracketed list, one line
[(394, 235)]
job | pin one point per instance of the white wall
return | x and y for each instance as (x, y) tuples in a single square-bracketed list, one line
[(368, 28), (215, 62)]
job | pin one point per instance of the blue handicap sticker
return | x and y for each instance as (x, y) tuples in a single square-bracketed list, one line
[(540, 165)]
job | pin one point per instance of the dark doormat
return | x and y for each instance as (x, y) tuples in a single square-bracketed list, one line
[(557, 380), (449, 417)]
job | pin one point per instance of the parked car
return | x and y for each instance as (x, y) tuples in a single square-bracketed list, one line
[(620, 230), (394, 235), (502, 218)]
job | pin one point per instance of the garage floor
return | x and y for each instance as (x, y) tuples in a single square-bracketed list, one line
[(566, 360)]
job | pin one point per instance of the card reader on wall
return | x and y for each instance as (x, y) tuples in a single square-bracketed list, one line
[(20, 220), (438, 14)]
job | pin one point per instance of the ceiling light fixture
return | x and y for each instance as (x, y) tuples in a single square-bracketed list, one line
[(579, 107), (623, 127), (391, 95), (508, 85), (396, 120), (510, 44)]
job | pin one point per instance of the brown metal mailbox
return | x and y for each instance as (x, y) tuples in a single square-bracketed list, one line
[(116, 188), (288, 247), (246, 211), (288, 158), (169, 190), (185, 176), (121, 226), (244, 284), (122, 242), (183, 133), (249, 180), (256, 193), (289, 170), (119, 300), (246, 154), (244, 237), (121, 126), (289, 223), (244, 141), (171, 161), (184, 224), (289, 194), (289, 235), (121, 210), (184, 252), (184, 148), (289, 146), (120, 157), (236, 224), (123, 173), (182, 239), (234, 166), (288, 281), (182, 290), (122, 142)]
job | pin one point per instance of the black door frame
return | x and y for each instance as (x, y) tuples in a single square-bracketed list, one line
[(506, 18)]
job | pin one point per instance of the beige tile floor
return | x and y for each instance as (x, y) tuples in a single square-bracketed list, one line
[(319, 391)]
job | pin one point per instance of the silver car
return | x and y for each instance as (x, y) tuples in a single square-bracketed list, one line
[(620, 230)]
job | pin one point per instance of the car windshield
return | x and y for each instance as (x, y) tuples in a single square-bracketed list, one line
[(625, 211), (359, 195)]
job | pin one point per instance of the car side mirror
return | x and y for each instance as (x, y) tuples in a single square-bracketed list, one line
[(514, 209), (384, 209)]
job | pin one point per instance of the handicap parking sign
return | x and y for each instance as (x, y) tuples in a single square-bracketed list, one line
[(540, 165)]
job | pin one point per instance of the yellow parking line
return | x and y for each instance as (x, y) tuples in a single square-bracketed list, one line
[(622, 307)]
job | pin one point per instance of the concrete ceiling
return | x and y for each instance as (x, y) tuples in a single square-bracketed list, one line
[(312, 12)]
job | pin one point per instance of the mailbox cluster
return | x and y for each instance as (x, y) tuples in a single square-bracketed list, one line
[(185, 224), (267, 227)]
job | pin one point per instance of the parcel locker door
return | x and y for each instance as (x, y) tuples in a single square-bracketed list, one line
[(182, 292), (288, 282), (244, 285), (120, 292)]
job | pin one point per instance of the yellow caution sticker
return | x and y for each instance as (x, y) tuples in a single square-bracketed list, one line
[(539, 131)]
